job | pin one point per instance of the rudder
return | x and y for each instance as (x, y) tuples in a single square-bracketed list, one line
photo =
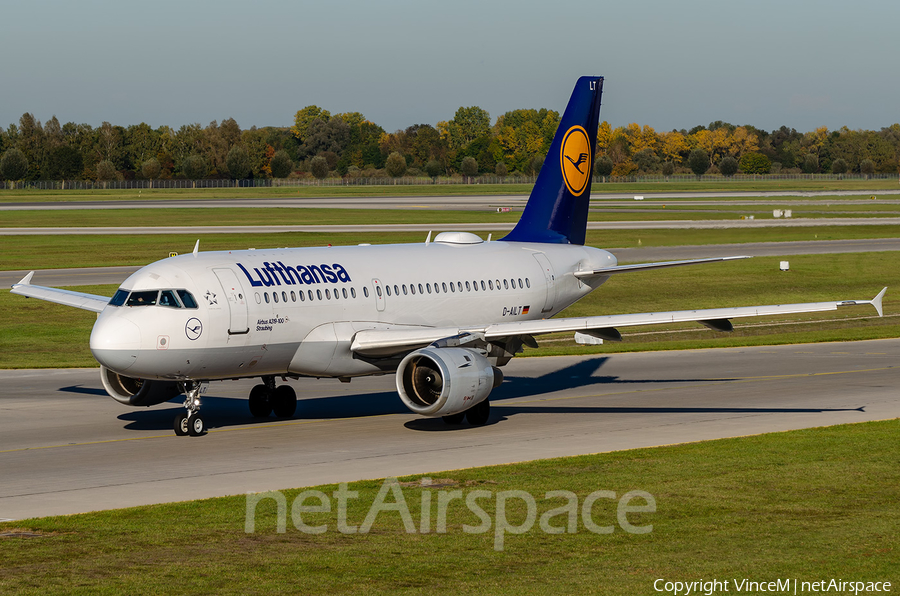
[(557, 209)]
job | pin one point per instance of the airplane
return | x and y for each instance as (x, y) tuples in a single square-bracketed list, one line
[(443, 316)]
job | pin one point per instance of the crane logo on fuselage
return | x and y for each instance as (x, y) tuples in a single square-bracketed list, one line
[(276, 274)]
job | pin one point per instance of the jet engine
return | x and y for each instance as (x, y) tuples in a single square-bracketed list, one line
[(445, 381), (137, 392)]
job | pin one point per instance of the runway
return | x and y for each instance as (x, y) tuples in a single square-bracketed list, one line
[(459, 202), (115, 275), (66, 447), (675, 224)]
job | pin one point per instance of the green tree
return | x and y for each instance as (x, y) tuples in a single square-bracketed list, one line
[(304, 117), (839, 166), (810, 164), (13, 165), (755, 163), (867, 167), (63, 163), (469, 167), (194, 167), (106, 171), (395, 166), (238, 163), (698, 162), (30, 141), (151, 169), (434, 169), (728, 166), (668, 168), (319, 167), (467, 125), (501, 170), (646, 160), (331, 135), (603, 166), (281, 164)]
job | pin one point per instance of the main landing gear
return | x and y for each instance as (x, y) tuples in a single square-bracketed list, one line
[(189, 422), (266, 399)]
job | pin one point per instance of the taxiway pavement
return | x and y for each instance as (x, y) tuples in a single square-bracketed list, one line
[(65, 447)]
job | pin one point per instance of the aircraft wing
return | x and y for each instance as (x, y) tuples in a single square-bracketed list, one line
[(384, 342), (647, 266), (90, 302)]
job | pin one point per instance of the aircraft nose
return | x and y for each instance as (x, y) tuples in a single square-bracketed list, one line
[(115, 342)]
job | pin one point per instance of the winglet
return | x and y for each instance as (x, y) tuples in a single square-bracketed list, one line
[(26, 281), (876, 302)]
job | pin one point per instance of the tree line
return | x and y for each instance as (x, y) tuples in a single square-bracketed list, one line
[(320, 144)]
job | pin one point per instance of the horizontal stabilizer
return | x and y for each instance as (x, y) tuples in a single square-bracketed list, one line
[(90, 302), (648, 266)]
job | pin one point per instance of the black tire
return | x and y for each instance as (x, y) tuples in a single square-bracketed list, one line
[(260, 404), (196, 426), (478, 414), (181, 425), (284, 401), (454, 418)]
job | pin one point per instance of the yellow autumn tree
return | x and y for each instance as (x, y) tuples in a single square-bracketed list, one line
[(640, 138), (742, 141), (714, 142), (674, 146), (604, 136)]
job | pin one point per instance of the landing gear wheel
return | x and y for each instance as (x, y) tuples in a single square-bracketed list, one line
[(478, 414), (260, 404), (181, 424), (454, 418), (284, 401), (195, 425)]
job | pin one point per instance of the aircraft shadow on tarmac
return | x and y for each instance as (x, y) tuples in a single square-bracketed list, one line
[(233, 412)]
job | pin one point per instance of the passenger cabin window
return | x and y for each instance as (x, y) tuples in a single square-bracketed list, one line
[(146, 298)]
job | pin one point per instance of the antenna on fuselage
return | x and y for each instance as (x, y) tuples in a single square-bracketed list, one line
[(428, 240), (196, 247)]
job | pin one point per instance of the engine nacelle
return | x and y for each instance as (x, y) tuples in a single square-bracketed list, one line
[(445, 381), (137, 392)]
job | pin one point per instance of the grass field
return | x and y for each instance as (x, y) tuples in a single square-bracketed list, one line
[(808, 505), (49, 251), (446, 190), (262, 216)]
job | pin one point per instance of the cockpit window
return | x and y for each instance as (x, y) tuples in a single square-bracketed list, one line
[(145, 298), (167, 298), (119, 298), (187, 299)]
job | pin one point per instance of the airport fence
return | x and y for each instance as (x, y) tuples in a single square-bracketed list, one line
[(403, 181)]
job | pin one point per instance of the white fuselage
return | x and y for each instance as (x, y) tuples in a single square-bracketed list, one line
[(295, 310)]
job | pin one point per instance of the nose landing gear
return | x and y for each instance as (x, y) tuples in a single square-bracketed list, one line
[(189, 422)]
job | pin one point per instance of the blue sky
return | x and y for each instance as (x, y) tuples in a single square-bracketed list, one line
[(402, 62)]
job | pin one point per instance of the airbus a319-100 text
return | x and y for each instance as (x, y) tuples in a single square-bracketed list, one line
[(443, 316)]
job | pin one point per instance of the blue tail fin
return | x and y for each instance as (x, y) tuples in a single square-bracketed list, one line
[(557, 209)]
